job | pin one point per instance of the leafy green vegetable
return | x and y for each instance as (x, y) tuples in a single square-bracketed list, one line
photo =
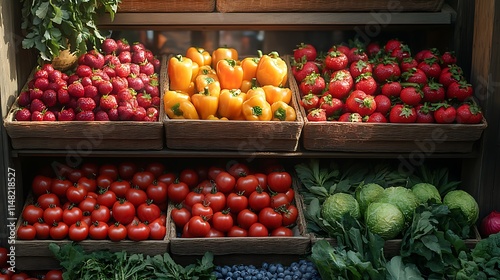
[(398, 270), (486, 254)]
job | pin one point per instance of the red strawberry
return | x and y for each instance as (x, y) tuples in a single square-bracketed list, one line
[(402, 114), (135, 82), (152, 88), (357, 54), (22, 114), (108, 102), (424, 113), (144, 78), (105, 87), (431, 67), (459, 90), (49, 97), (450, 74), (35, 93), (341, 48), (83, 71), (157, 64), (147, 68), (401, 53), (125, 57), (67, 114), (85, 116), (123, 70), (391, 45), (24, 98), (41, 73), (113, 115), (139, 56), (359, 67), (305, 50), (426, 54), (155, 100), (433, 92), (125, 95), (149, 55), (309, 101), (372, 49), (391, 89), (85, 104), (365, 82), (469, 113), (47, 67), (49, 116), (135, 69), (444, 113), (332, 106), (448, 58), (383, 104), (341, 83), (336, 60), (122, 45), (101, 116), (76, 89), (118, 84), (415, 75), (316, 115), (72, 78), (361, 103), (37, 105), (55, 75), (139, 114), (411, 95), (41, 83), (377, 117), (90, 91), (387, 69), (63, 96), (151, 114), (144, 100), (313, 83), (408, 63), (110, 71), (86, 81), (350, 117), (36, 116), (112, 60), (125, 112), (109, 46), (94, 59)]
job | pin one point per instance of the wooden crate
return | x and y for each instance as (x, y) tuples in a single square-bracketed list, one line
[(239, 135), (85, 136), (227, 6), (166, 6), (34, 254)]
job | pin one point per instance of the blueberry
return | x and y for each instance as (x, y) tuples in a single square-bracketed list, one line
[(265, 265), (280, 269), (281, 275), (273, 268)]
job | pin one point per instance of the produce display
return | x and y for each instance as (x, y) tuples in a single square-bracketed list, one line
[(7, 272), (383, 83), (223, 86), (117, 83)]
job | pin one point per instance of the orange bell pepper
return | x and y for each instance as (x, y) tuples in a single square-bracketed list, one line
[(210, 80), (248, 85), (206, 70), (274, 94), (255, 91), (180, 73), (223, 53), (215, 118), (256, 108), (230, 102), (199, 55), (272, 70), (206, 103), (177, 105), (283, 112), (230, 74)]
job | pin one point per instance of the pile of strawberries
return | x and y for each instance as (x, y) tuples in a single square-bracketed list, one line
[(117, 83), (383, 84)]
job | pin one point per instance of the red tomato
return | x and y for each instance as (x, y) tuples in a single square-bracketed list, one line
[(236, 202), (143, 179), (193, 197), (246, 218), (237, 231), (53, 275), (123, 211), (258, 230), (3, 256), (98, 230), (225, 182), (86, 218), (238, 169), (76, 194), (157, 231), (246, 184), (53, 214), (20, 276), (72, 215), (279, 181), (138, 231), (120, 188), (157, 191), (200, 209), (205, 186), (215, 233), (89, 169), (92, 195), (157, 168), (41, 185), (117, 232), (32, 213), (148, 212), (290, 215), (213, 171), (101, 213), (26, 232), (42, 230), (222, 221), (89, 184), (136, 196), (290, 194), (59, 231), (282, 231), (262, 180), (167, 178), (190, 177), (270, 218), (87, 205), (216, 200), (59, 187), (106, 198), (180, 216), (75, 175), (78, 231), (279, 200), (110, 170), (46, 199), (202, 172), (198, 226), (259, 200), (177, 191), (104, 181), (126, 170)]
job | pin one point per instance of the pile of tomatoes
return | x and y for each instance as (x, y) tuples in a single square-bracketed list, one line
[(234, 201), (98, 201), (8, 273)]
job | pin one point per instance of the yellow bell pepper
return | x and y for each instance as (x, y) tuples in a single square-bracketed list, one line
[(206, 103), (177, 105), (230, 102), (283, 112), (180, 73), (199, 55), (274, 93), (255, 91), (272, 70), (230, 74), (223, 53), (215, 118), (211, 81), (248, 85), (257, 109), (206, 70)]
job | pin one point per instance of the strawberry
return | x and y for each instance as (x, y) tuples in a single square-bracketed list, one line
[(350, 117), (90, 91), (459, 90), (152, 88), (139, 57), (392, 45), (425, 113), (305, 50), (155, 101), (110, 71), (37, 105), (361, 103), (331, 105), (139, 114), (118, 84), (387, 69), (122, 70), (444, 113), (41, 83), (125, 112), (316, 115), (383, 104), (426, 54), (144, 100), (144, 78), (22, 114), (336, 60), (151, 115), (122, 45), (433, 92), (377, 117), (105, 87), (49, 97), (408, 63), (85, 116), (125, 94), (365, 82), (86, 81), (360, 67), (402, 114), (341, 83), (72, 78), (109, 46), (469, 113), (112, 60), (341, 48), (113, 114), (55, 75), (24, 98), (135, 82), (67, 114), (83, 71), (157, 64), (85, 104), (149, 55), (401, 53), (411, 95), (125, 57), (101, 116), (147, 68), (41, 73), (391, 89), (415, 75), (135, 69), (431, 67), (35, 93), (450, 74), (63, 96), (448, 58), (108, 102), (49, 116), (76, 89), (36, 116), (309, 101), (372, 49), (47, 67), (313, 83), (356, 54), (94, 59)]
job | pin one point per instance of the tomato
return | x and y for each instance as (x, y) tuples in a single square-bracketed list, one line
[(148, 212), (216, 200), (238, 169), (46, 199), (215, 233), (270, 218), (89, 184), (143, 179), (76, 193), (279, 181), (72, 214), (42, 230), (157, 231), (157, 168), (258, 230), (86, 218), (225, 182), (3, 256), (201, 209), (180, 216), (41, 185), (104, 181), (32, 213), (100, 213), (89, 169), (290, 194), (4, 277), (120, 188), (177, 191), (20, 276), (213, 171), (59, 231), (92, 195), (259, 200), (78, 231), (246, 184), (246, 218), (123, 211), (26, 232), (87, 205), (157, 191), (279, 200), (222, 221), (190, 177), (202, 172), (106, 198), (53, 214), (75, 175), (136, 196), (198, 226), (236, 202), (290, 215), (262, 178), (282, 231), (59, 187), (167, 178), (117, 232), (98, 230), (126, 170), (53, 275), (193, 197), (237, 231), (110, 170), (138, 232)]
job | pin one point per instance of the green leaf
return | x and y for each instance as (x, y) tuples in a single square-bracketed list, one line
[(58, 15), (42, 10), (397, 270)]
